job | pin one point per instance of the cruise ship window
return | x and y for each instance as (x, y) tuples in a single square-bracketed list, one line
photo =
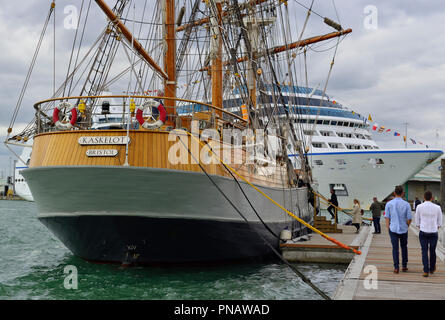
[(333, 145), (319, 121), (346, 124), (318, 162), (333, 123), (340, 123), (340, 189), (351, 124), (340, 162), (326, 122), (375, 161), (317, 145)]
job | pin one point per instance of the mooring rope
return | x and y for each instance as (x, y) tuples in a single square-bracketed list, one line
[(338, 243), (293, 268)]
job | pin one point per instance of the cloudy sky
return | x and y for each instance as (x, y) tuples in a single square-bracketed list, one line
[(391, 66)]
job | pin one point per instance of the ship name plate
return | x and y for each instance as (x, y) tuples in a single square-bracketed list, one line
[(104, 140), (101, 152)]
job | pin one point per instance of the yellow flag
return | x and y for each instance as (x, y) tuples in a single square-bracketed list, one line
[(369, 118)]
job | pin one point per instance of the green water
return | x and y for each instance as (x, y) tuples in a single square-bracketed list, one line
[(32, 263)]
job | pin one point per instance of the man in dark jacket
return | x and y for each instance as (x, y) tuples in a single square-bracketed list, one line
[(416, 203), (333, 202), (376, 209)]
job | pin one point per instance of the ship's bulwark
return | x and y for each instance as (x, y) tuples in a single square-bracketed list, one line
[(143, 215)]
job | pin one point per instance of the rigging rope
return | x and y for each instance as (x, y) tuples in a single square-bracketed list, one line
[(31, 68), (292, 267), (74, 44), (344, 246), (80, 44)]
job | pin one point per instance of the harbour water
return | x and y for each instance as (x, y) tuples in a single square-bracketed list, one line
[(32, 264)]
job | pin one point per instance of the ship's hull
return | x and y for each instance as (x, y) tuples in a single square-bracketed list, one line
[(21, 187), (362, 175), (148, 215)]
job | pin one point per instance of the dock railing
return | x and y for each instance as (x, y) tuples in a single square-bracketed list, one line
[(336, 208)]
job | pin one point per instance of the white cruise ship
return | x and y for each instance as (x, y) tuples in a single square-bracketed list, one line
[(20, 185), (343, 154), (339, 146)]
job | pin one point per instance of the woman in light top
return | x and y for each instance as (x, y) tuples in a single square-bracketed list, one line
[(356, 214)]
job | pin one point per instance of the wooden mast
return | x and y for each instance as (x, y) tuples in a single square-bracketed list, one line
[(223, 14), (170, 60), (291, 46), (127, 34), (216, 58)]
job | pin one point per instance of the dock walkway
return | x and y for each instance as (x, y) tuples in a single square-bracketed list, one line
[(370, 275)]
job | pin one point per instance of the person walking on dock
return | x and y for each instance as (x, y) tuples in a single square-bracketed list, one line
[(429, 220), (398, 218), (356, 215), (334, 203), (416, 203), (376, 209)]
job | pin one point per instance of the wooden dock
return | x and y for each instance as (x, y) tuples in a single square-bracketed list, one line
[(370, 275)]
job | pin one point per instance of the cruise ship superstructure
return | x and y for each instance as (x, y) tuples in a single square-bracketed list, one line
[(343, 154)]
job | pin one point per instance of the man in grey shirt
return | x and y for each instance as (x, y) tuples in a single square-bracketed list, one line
[(376, 209)]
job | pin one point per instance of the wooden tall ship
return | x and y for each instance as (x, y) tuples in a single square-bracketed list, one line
[(145, 175)]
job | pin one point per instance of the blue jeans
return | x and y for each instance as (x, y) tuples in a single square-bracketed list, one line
[(376, 222), (428, 242), (403, 239)]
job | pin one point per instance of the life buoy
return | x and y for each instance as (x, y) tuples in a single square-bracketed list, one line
[(150, 103), (69, 108)]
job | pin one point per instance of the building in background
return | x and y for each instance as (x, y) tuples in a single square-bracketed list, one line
[(426, 179), (6, 187)]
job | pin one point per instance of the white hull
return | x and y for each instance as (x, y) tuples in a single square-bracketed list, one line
[(21, 187), (361, 175)]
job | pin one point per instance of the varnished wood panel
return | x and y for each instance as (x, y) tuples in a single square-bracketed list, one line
[(146, 149)]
